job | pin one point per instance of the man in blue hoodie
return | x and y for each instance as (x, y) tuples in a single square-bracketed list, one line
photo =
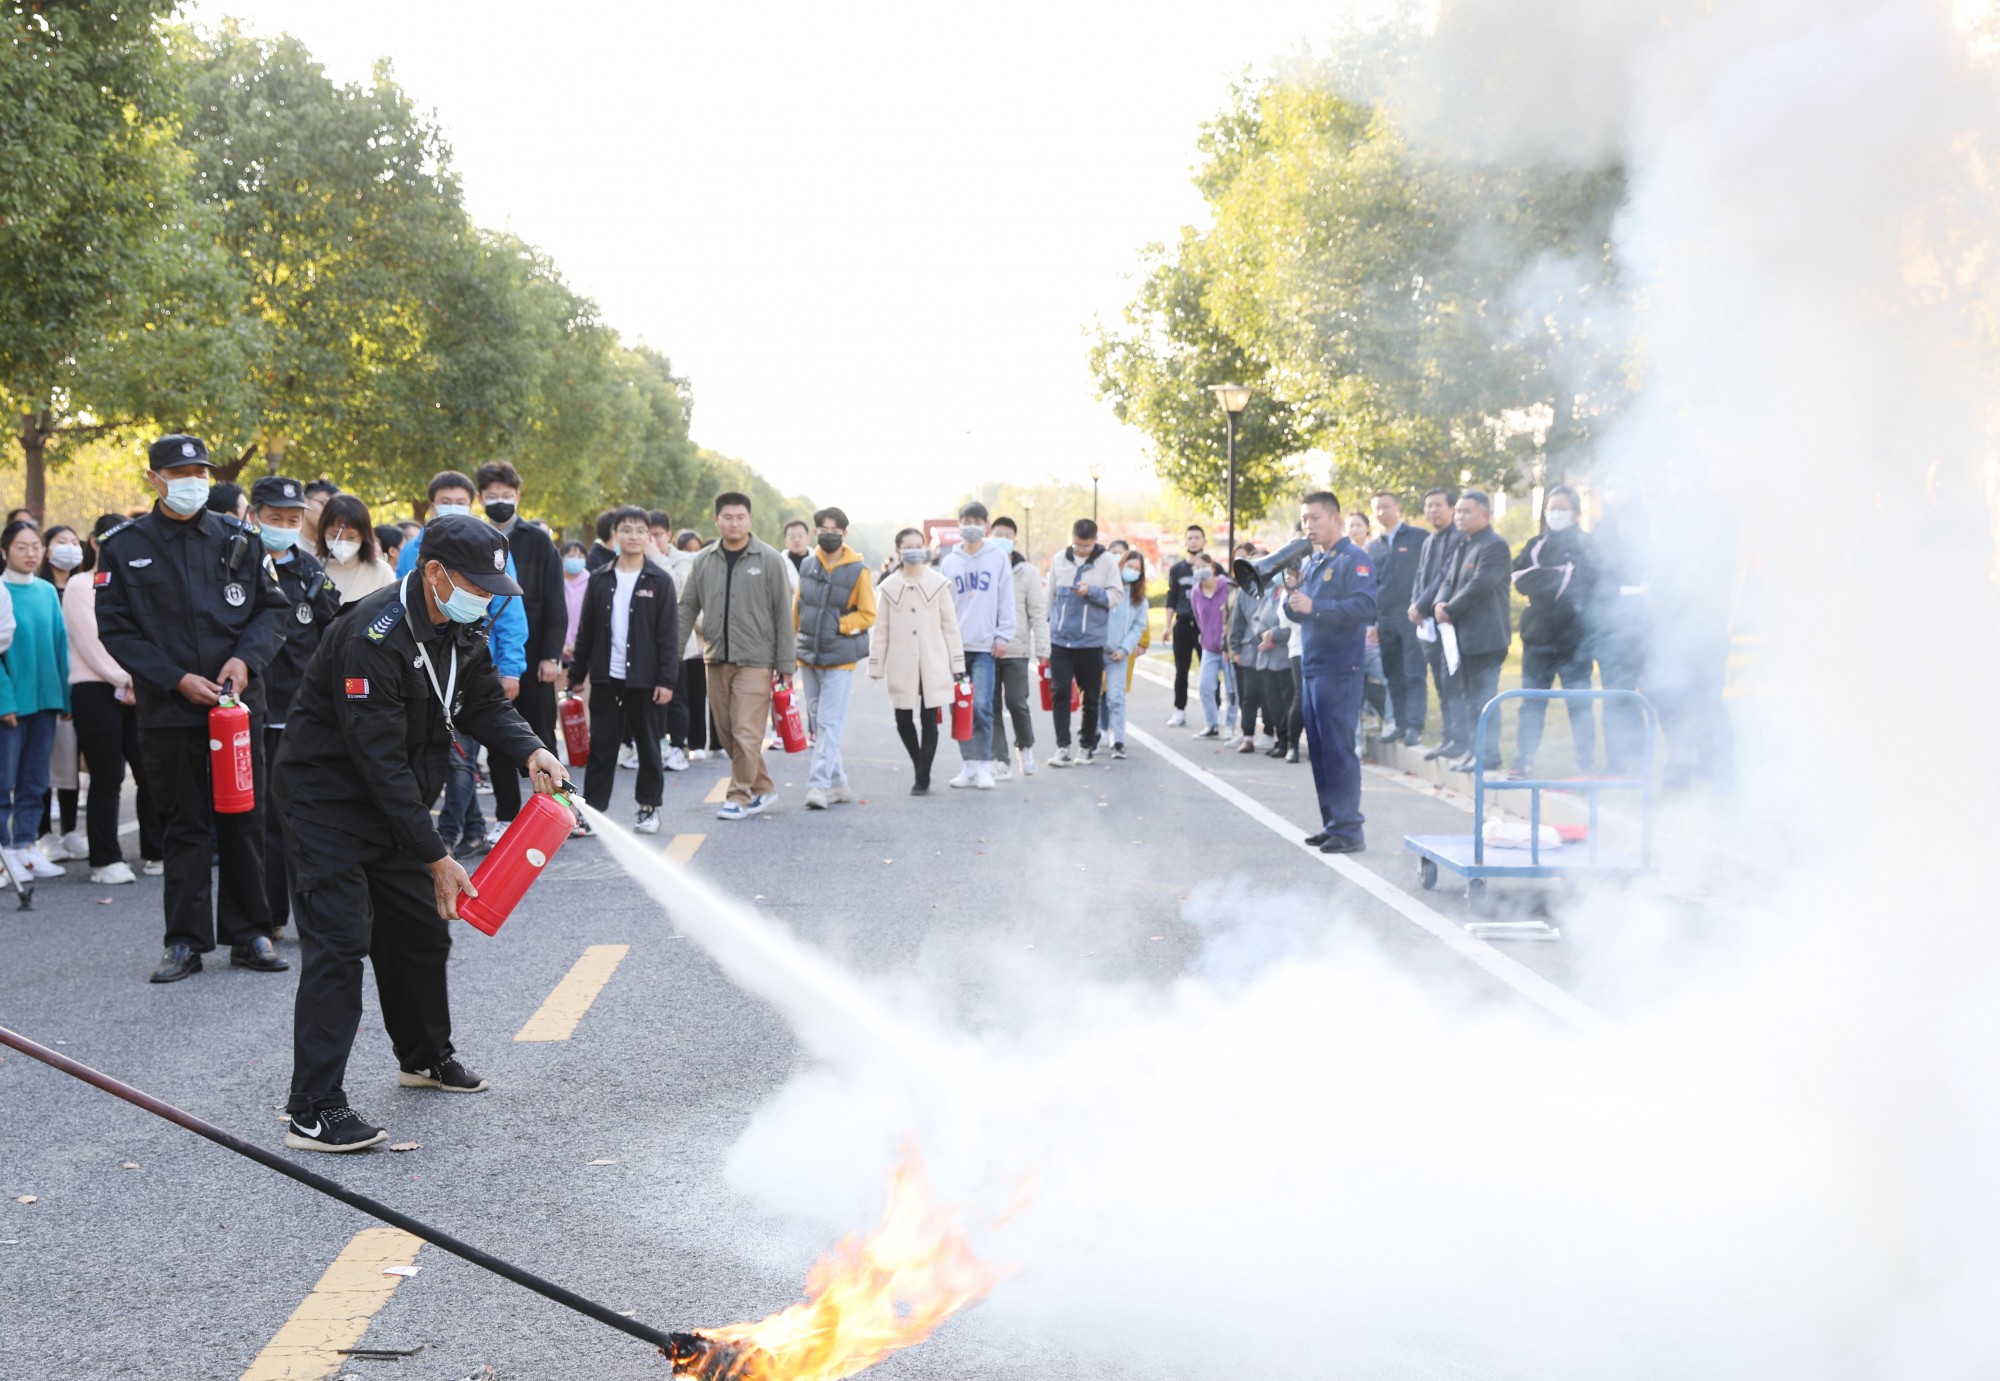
[(982, 591), (1080, 584)]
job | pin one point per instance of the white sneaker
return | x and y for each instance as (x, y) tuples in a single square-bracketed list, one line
[(1003, 772), (496, 829), (76, 845), (758, 804), (676, 760), (648, 821), (629, 759), (1177, 720), (152, 867), (113, 874), (840, 792), (697, 755), (966, 776), (815, 799), (36, 862), (983, 778), (1062, 758), (1028, 762), (52, 848)]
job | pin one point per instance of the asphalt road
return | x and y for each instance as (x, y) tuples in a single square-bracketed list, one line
[(188, 1263)]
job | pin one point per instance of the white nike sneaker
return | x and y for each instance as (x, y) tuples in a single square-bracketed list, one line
[(1027, 762), (39, 864), (1177, 720), (983, 778), (676, 760), (52, 848), (76, 845), (1003, 772), (966, 776), (113, 874)]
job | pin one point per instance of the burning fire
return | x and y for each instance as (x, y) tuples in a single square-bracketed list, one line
[(865, 1299)]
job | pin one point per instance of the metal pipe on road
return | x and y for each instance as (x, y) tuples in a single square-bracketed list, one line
[(673, 1344)]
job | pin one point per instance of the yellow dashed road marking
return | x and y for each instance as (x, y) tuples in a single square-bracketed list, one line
[(338, 1311), (556, 1019), (718, 793), (682, 846)]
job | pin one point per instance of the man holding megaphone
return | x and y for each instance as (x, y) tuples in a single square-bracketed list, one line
[(1333, 606)]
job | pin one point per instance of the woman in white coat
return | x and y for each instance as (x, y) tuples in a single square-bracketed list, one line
[(915, 645)]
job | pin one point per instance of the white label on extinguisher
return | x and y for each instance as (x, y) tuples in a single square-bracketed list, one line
[(537, 857), (215, 745), (244, 780)]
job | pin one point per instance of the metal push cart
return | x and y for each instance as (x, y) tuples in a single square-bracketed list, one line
[(1476, 860)]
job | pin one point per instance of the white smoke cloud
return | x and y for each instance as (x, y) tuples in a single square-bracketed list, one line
[(1302, 1160)]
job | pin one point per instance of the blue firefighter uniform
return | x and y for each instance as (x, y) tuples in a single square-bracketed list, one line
[(1341, 584)]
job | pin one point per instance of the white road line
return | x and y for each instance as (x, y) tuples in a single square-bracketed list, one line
[(1513, 973)]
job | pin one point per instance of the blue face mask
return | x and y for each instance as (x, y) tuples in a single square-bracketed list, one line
[(915, 556), (573, 565), (279, 538), (1131, 576), (461, 607), (1003, 544), (446, 510), (187, 495)]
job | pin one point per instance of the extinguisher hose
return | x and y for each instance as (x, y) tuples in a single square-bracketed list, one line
[(569, 1299)]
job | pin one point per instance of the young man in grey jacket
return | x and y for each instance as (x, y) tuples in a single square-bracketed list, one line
[(1014, 685), (738, 595), (1081, 580), (982, 592)]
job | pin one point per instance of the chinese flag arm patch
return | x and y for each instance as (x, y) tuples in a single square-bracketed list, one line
[(1363, 570), (101, 578), (357, 688)]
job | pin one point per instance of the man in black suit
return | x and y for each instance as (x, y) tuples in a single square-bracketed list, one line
[(1433, 560), (1473, 603), (1397, 552), (538, 568)]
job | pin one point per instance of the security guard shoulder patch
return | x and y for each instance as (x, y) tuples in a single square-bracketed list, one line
[(385, 621), (1363, 570)]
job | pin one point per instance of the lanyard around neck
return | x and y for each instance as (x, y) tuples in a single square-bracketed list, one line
[(430, 670)]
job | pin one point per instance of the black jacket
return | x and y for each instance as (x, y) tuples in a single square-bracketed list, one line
[(314, 600), (1557, 574), (1180, 579), (1476, 591), (366, 745), (1396, 559), (538, 566), (1433, 563), (176, 598), (652, 635)]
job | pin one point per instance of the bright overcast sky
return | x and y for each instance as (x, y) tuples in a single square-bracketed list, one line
[(873, 237)]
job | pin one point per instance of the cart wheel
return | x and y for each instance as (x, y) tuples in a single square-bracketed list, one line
[(1427, 874), (1476, 899)]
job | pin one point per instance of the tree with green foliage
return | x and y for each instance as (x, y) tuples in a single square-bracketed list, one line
[(1366, 291), (113, 299)]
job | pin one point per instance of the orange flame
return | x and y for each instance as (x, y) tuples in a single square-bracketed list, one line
[(865, 1299)]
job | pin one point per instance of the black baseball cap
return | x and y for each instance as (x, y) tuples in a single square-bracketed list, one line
[(473, 548), (275, 491), (177, 449)]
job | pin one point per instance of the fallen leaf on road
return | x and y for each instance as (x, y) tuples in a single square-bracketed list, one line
[(604, 1162), (104, 901), (888, 860), (405, 1271), (25, 1199), (129, 1165), (407, 1146), (1156, 937)]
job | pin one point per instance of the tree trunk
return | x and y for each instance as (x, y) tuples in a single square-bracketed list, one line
[(36, 428)]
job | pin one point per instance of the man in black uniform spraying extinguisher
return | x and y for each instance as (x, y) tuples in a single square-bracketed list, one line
[(187, 603), (363, 760)]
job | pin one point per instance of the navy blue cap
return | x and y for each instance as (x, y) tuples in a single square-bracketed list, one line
[(275, 491), (474, 549), (170, 451)]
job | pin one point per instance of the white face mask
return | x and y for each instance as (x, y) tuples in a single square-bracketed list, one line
[(65, 556), (343, 549), (1558, 519), (451, 510), (186, 495)]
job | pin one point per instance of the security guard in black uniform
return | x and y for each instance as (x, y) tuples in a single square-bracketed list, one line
[(1333, 606), (278, 505), (187, 603), (362, 762)]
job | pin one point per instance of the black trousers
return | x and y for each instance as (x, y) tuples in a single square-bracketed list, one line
[(1085, 666), (1187, 651), (277, 873), (1011, 679), (107, 735), (1541, 668), (199, 910), (537, 705), (1403, 670), (1278, 694), (360, 900), (619, 712), (921, 748), (1478, 681), (697, 727), (1295, 722)]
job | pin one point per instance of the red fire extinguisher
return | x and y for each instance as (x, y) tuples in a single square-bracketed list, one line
[(791, 719), (1075, 695), (576, 731), (231, 770), (961, 709), (1048, 688), (511, 866)]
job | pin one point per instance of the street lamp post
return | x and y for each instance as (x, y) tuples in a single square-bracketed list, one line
[(1028, 536), (1095, 472), (1234, 398)]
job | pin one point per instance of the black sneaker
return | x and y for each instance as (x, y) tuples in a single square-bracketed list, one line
[(1117, 750), (1447, 749), (1341, 844), (449, 1075), (331, 1129), (1313, 841), (471, 847)]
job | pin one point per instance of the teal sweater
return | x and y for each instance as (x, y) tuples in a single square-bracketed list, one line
[(34, 672)]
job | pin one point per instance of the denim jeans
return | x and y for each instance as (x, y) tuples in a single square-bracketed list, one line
[(979, 748), (827, 690), (1111, 719), (25, 750), (1218, 676), (461, 818)]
